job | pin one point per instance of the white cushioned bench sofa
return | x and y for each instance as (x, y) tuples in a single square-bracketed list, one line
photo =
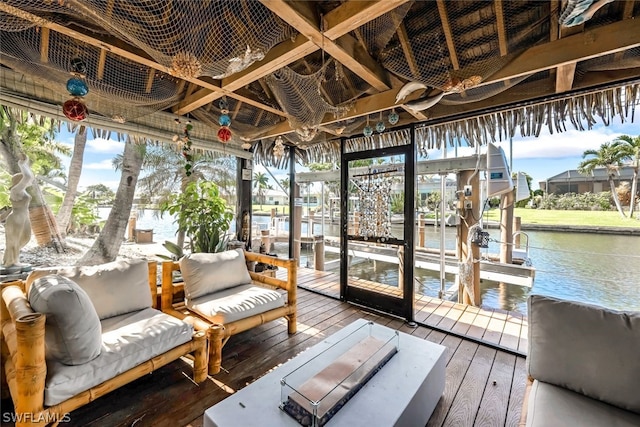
[(73, 334), (223, 298), (584, 364)]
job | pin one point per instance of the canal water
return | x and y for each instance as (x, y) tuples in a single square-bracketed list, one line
[(594, 268)]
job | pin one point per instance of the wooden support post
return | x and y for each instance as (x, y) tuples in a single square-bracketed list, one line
[(506, 227), (421, 229), (297, 225), (318, 252), (518, 226), (265, 239), (470, 216)]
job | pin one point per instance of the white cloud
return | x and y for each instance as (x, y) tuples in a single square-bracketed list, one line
[(101, 165), (106, 146), (566, 144)]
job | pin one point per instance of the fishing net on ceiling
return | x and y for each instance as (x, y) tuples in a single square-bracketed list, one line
[(449, 42), (118, 88), (191, 38), (304, 97)]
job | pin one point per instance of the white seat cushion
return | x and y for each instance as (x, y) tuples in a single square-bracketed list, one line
[(127, 341), (236, 303), (550, 405)]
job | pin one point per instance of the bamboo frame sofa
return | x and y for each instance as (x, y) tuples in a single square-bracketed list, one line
[(223, 297), (131, 343)]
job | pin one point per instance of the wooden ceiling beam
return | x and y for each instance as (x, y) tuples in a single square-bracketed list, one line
[(300, 16), (131, 53), (606, 39), (611, 38), (354, 13), (448, 34), (338, 43)]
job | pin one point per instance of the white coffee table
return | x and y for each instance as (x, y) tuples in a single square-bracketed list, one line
[(403, 393)]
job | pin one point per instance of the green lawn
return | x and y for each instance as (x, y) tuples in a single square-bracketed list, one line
[(581, 218)]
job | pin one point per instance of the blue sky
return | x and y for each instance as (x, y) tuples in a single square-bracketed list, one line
[(541, 157)]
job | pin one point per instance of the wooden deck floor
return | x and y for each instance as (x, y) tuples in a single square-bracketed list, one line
[(484, 386), (505, 329)]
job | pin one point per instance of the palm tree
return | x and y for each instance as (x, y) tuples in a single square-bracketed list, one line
[(630, 149), (107, 245), (606, 156), (261, 182), (75, 169)]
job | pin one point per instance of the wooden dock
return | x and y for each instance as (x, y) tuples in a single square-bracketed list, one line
[(503, 329), (484, 385)]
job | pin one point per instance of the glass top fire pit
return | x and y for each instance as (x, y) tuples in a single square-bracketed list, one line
[(314, 392)]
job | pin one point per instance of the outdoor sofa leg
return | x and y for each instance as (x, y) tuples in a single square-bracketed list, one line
[(215, 335), (200, 359), (292, 323)]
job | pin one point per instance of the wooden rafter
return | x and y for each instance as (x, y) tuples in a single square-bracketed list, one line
[(102, 62), (627, 13), (44, 45), (150, 78), (442, 10), (502, 32)]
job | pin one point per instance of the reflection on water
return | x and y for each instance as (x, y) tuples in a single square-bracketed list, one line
[(594, 268)]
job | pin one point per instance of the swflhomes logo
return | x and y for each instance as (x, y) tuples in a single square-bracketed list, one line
[(40, 417)]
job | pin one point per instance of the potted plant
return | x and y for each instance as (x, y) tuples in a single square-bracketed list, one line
[(202, 214)]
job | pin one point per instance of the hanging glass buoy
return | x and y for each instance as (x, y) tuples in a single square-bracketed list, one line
[(224, 134), (380, 127), (78, 66), (224, 120), (393, 117), (77, 87), (367, 131), (75, 110)]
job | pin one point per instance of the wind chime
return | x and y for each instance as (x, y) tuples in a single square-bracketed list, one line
[(184, 142), (75, 109), (374, 194)]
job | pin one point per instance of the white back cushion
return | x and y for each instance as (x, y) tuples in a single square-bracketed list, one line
[(205, 273), (114, 288), (73, 335)]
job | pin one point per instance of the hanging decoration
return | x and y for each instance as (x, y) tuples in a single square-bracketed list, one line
[(374, 194), (246, 143), (278, 148), (184, 141), (393, 118), (380, 127), (74, 109), (224, 133), (368, 130)]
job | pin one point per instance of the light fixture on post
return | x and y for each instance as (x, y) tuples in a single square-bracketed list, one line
[(246, 143), (278, 147)]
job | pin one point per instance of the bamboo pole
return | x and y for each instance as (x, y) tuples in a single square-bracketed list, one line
[(166, 298), (153, 283), (292, 285), (30, 365), (200, 359), (215, 335)]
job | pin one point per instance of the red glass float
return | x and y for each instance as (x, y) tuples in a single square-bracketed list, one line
[(75, 110), (224, 134)]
